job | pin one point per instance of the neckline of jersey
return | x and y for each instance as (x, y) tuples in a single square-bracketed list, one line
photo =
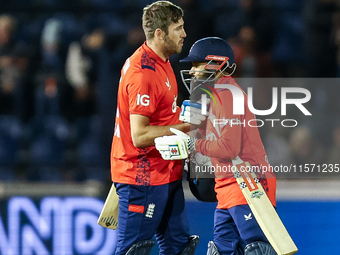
[(153, 54)]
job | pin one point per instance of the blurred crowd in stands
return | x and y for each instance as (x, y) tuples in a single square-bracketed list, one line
[(60, 66)]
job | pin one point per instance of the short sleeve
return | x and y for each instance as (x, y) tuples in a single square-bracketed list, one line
[(143, 94)]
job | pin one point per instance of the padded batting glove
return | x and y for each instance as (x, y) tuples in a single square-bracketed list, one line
[(191, 113), (189, 141), (176, 146)]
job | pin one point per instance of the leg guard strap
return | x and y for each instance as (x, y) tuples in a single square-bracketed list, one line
[(141, 248), (212, 249), (259, 248), (191, 248)]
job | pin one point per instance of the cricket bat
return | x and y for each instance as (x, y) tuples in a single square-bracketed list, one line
[(263, 210), (108, 217)]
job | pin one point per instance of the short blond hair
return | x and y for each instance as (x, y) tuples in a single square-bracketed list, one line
[(160, 14)]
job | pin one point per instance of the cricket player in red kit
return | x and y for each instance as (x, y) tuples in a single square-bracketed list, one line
[(151, 199), (227, 135), (230, 138), (142, 92)]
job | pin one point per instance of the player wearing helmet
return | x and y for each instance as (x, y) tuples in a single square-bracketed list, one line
[(227, 136)]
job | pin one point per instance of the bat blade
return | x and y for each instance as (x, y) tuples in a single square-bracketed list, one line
[(108, 217), (263, 210)]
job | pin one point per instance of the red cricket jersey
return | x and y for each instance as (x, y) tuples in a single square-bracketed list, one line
[(147, 87), (228, 136)]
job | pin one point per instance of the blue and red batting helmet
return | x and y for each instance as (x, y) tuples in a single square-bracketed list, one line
[(214, 46), (219, 57)]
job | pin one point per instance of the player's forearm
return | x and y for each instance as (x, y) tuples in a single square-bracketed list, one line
[(222, 148), (145, 136), (226, 146)]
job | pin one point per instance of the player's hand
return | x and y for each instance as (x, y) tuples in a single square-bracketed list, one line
[(176, 146), (172, 147), (191, 113), (200, 159), (189, 140)]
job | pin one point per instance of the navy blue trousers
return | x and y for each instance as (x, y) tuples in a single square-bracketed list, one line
[(234, 229), (148, 211)]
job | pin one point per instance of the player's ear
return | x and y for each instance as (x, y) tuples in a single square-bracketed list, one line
[(159, 34)]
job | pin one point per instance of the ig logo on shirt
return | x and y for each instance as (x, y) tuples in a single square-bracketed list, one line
[(143, 100)]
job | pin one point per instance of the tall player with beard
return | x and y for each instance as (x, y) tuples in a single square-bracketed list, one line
[(151, 199)]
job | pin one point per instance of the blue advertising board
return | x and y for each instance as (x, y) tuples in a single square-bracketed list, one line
[(68, 226)]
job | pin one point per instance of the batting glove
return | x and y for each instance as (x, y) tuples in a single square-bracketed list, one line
[(189, 141), (176, 146), (191, 113)]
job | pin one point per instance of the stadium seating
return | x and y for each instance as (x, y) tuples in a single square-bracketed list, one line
[(91, 159)]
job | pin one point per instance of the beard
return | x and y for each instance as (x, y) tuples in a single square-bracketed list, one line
[(170, 47)]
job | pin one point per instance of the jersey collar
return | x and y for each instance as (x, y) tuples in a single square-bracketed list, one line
[(152, 54)]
